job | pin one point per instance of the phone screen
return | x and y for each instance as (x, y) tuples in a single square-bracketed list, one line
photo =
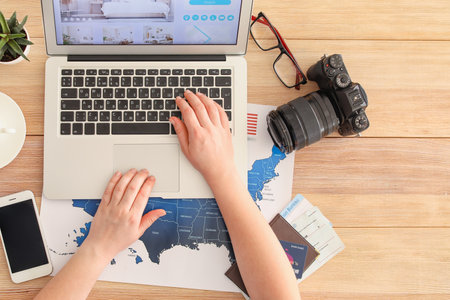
[(21, 236)]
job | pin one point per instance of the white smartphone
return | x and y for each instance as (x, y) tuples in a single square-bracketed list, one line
[(22, 236)]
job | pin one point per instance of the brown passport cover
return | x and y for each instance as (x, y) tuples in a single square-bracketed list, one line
[(284, 231)]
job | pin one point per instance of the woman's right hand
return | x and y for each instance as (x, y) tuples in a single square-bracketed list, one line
[(204, 136)]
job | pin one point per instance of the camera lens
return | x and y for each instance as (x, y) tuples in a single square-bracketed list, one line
[(302, 121)]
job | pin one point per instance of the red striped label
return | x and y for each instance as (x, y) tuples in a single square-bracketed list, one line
[(252, 123)]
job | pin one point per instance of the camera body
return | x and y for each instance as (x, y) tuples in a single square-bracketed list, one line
[(339, 105), (348, 98)]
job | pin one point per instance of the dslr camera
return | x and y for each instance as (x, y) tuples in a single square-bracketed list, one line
[(339, 105)]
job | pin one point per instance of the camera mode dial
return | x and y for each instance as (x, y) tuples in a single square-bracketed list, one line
[(361, 122), (336, 61), (343, 80)]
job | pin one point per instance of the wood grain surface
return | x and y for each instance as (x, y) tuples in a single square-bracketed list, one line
[(386, 193)]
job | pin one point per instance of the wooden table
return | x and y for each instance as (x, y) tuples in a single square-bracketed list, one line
[(386, 193)]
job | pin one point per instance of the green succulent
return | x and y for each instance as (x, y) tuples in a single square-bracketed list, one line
[(12, 37)]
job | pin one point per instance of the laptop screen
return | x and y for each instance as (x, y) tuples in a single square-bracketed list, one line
[(147, 22)]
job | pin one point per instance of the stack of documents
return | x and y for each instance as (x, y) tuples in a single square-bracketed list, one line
[(315, 228)]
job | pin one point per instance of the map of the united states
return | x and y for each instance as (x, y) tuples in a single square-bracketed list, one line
[(189, 222)]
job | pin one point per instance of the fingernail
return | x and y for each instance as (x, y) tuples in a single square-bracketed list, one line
[(172, 121), (188, 91), (199, 93), (152, 178), (117, 173), (163, 213)]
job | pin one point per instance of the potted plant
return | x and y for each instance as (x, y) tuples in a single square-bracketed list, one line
[(14, 40)]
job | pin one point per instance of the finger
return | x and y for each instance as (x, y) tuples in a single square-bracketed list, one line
[(133, 189), (142, 197), (189, 117), (199, 108), (106, 198), (121, 186), (223, 117), (149, 218), (182, 133), (211, 108)]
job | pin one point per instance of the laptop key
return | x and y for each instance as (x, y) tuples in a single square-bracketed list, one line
[(176, 114), (128, 72), (78, 81), (164, 115), (143, 93), (108, 93), (214, 93), (185, 81), (164, 72), (228, 115), (111, 104), (128, 116), (126, 81), (102, 81), (155, 93), (91, 72), (152, 116), (103, 72), (89, 81), (123, 104), (140, 128), (213, 72), (223, 81), (78, 72), (146, 104), (178, 92), (140, 116), (96, 93), (167, 93), (173, 81), (158, 104), (161, 81), (225, 72), (170, 104), (80, 116), (119, 93), (69, 93), (70, 104), (138, 81), (65, 128), (116, 72), (204, 91), (92, 116), (197, 81), (66, 72), (99, 104), (103, 128), (67, 116), (114, 81), (149, 81), (152, 72), (105, 116), (77, 128), (89, 128), (116, 116), (66, 81), (219, 101), (177, 72), (84, 93), (141, 72), (208, 81), (135, 104), (132, 93), (202, 72), (86, 104), (226, 95), (189, 72)]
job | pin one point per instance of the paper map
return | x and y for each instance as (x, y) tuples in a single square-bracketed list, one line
[(190, 246)]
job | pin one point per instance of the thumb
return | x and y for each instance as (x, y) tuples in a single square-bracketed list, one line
[(149, 218), (182, 133)]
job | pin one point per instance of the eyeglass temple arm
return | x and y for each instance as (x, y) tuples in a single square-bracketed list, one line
[(298, 74)]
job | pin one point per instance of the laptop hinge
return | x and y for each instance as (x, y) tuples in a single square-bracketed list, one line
[(146, 58)]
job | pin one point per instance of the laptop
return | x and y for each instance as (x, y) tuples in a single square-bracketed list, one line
[(114, 71)]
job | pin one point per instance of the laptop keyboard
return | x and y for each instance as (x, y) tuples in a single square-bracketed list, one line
[(134, 101)]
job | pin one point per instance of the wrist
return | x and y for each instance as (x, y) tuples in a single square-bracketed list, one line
[(94, 253), (225, 176)]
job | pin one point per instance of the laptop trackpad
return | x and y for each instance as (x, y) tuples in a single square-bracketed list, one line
[(162, 161)]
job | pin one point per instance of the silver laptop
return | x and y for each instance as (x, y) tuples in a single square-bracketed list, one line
[(114, 70)]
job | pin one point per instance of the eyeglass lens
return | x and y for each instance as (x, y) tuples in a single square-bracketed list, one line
[(263, 35), (285, 68)]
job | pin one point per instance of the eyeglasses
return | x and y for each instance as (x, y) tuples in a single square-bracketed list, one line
[(285, 64)]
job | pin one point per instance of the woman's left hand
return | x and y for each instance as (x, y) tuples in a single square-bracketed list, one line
[(119, 221)]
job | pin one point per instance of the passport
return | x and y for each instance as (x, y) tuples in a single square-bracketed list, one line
[(286, 233)]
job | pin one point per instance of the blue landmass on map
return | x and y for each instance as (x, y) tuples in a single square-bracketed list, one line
[(190, 222), (262, 172)]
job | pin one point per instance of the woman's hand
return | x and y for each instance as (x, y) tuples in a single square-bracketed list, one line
[(119, 221), (204, 136)]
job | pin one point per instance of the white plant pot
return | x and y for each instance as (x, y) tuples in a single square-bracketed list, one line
[(20, 58)]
